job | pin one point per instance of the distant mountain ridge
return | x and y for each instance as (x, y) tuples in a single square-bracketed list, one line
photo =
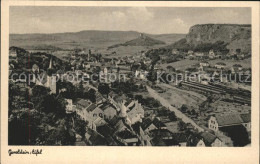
[(83, 39)]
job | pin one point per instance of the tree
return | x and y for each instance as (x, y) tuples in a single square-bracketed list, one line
[(80, 127), (184, 108), (91, 95), (104, 88), (27, 129), (170, 68), (182, 126), (172, 116)]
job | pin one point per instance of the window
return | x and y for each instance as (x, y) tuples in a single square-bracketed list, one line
[(100, 115), (94, 115)]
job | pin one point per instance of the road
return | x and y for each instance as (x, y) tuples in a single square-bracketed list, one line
[(178, 113)]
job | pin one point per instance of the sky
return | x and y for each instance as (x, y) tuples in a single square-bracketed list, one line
[(153, 20)]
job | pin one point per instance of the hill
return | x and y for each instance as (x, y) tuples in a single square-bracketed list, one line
[(216, 36), (142, 40), (90, 39)]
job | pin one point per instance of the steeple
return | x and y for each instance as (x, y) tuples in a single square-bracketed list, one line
[(50, 66)]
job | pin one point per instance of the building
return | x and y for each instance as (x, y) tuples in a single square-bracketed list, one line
[(13, 53), (109, 111), (246, 121), (220, 65), (46, 79), (35, 68), (70, 108), (236, 68), (221, 121), (212, 54), (51, 79), (135, 112), (96, 123), (147, 125), (81, 108), (210, 140), (204, 64)]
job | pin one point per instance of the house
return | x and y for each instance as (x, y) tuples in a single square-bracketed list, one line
[(81, 108), (236, 68), (204, 64), (191, 56), (13, 53), (246, 121), (210, 139), (99, 98), (172, 126), (135, 112), (199, 54), (147, 125), (220, 65), (96, 112), (35, 68), (70, 108), (93, 138), (190, 52), (109, 111), (163, 133), (175, 52), (199, 143), (212, 54), (220, 121), (159, 124), (96, 123), (128, 137)]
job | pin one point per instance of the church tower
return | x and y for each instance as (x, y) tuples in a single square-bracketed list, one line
[(51, 79)]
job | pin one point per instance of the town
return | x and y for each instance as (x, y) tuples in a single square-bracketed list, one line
[(83, 97)]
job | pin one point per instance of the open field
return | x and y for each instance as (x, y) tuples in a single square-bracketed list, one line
[(178, 97)]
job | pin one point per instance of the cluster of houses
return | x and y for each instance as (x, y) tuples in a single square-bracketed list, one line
[(219, 72), (232, 54), (121, 120)]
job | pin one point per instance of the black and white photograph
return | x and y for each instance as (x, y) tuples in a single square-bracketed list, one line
[(130, 76)]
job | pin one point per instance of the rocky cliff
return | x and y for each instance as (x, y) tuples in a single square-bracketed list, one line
[(234, 36)]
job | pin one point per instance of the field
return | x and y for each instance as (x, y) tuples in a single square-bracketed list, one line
[(178, 97)]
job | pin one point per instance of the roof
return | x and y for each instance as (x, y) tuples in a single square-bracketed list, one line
[(83, 103), (161, 133), (246, 117), (126, 134), (226, 120), (99, 121), (96, 139), (158, 123), (119, 98), (80, 143), (158, 142), (119, 125), (35, 66), (208, 138), (221, 63), (172, 126), (146, 123), (180, 137), (237, 65), (91, 107)]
